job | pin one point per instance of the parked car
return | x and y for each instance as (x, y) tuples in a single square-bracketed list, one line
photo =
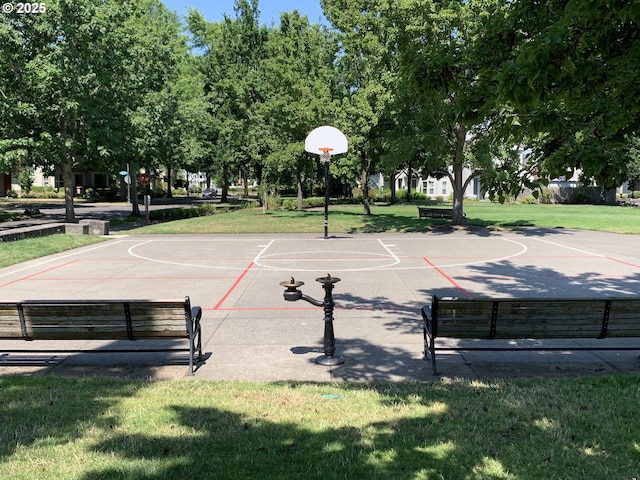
[(209, 192)]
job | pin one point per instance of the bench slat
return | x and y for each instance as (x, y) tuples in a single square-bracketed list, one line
[(624, 319), (103, 320), (427, 212), (520, 319), (511, 318)]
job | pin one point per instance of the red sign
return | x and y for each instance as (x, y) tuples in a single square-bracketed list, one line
[(144, 178)]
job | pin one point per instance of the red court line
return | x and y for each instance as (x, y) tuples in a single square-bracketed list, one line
[(106, 279), (30, 277), (346, 259), (624, 263), (299, 309), (233, 287), (451, 280), (261, 309)]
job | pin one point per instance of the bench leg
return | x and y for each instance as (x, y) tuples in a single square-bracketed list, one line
[(195, 339), (429, 345), (430, 350)]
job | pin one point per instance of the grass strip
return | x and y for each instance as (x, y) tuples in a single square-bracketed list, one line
[(23, 250), (404, 218), (60, 428)]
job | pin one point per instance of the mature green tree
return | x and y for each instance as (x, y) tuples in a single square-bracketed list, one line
[(158, 130), (195, 121), (366, 80), (14, 112), (571, 68), (449, 122), (233, 52), (73, 74), (157, 124), (297, 66)]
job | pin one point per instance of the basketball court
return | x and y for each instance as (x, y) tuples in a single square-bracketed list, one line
[(251, 333)]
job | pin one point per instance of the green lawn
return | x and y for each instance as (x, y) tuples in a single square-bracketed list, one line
[(582, 217), (56, 428), (22, 250), (404, 218)]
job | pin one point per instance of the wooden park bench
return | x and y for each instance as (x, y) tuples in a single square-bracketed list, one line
[(435, 212), (527, 318), (104, 320)]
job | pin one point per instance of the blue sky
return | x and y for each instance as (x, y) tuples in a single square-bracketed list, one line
[(213, 10)]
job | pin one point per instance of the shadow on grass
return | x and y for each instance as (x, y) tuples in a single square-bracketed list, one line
[(57, 411), (389, 222), (458, 430), (382, 221)]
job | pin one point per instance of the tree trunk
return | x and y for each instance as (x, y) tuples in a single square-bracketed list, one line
[(224, 193), (392, 185), (364, 182), (299, 187), (458, 197), (457, 181), (169, 191), (409, 176), (69, 186), (245, 184)]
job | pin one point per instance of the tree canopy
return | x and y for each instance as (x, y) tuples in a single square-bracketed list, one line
[(452, 88), (72, 75)]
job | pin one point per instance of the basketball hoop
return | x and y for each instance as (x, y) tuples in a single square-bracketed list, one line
[(325, 154), (326, 141)]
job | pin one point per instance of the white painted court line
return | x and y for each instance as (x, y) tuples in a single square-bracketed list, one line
[(570, 248), (256, 259), (185, 264), (523, 250), (265, 258), (262, 258)]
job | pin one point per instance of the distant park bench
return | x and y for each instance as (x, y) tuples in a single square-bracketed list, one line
[(523, 318), (104, 320), (435, 212)]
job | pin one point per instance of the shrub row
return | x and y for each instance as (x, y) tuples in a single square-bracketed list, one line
[(204, 210)]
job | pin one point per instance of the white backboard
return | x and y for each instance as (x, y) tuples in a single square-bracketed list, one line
[(326, 137)]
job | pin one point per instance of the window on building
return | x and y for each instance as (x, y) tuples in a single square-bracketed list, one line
[(444, 187), (432, 187)]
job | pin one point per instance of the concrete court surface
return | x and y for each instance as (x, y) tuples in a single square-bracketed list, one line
[(251, 333)]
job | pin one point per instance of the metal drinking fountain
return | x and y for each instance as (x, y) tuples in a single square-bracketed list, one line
[(292, 294)]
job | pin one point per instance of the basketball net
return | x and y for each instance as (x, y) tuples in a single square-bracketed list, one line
[(325, 154)]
